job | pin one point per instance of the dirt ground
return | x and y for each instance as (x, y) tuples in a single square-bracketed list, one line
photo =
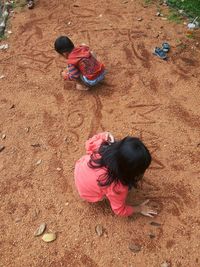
[(46, 123)]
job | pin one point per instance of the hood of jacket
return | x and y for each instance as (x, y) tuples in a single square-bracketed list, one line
[(78, 53)]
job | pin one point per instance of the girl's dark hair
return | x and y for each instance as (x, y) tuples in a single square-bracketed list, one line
[(125, 161), (63, 44)]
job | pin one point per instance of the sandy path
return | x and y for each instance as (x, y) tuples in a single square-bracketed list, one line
[(143, 96)]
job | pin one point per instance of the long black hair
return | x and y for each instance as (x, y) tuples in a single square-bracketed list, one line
[(125, 161)]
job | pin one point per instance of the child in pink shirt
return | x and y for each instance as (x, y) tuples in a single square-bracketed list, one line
[(110, 169)]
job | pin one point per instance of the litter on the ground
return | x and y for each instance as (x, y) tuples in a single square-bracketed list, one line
[(3, 46)]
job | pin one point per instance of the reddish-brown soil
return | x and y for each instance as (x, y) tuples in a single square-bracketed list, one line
[(142, 96)]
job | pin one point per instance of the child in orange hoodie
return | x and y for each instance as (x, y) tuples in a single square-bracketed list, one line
[(81, 63)]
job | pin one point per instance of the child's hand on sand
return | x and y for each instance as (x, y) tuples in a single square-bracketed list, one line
[(145, 210), (64, 74)]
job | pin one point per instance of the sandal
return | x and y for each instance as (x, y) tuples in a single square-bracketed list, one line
[(30, 4), (160, 53), (165, 47)]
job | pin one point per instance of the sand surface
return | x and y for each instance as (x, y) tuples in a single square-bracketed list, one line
[(46, 122)]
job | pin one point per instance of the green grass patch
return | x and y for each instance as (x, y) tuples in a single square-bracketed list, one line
[(175, 17), (147, 2), (190, 7), (3, 37), (19, 4)]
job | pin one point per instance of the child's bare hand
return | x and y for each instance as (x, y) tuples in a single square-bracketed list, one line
[(145, 210), (64, 74)]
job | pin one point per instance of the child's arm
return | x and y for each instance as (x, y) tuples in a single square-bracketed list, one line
[(117, 198), (94, 143), (71, 73)]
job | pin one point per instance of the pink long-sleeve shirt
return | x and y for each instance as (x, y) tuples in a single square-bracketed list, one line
[(87, 185)]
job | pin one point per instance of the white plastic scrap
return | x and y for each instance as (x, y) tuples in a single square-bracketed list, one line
[(3, 46)]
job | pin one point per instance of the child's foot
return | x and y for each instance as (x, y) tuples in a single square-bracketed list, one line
[(30, 4), (81, 87)]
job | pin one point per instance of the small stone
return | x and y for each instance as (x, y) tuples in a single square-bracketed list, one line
[(13, 106), (152, 236), (35, 145), (99, 230), (135, 248), (67, 204), (155, 224), (2, 76), (27, 129), (60, 211), (139, 19), (39, 162), (181, 11), (2, 148), (165, 264), (58, 169), (164, 18), (158, 14), (49, 237), (156, 35), (17, 220), (100, 16), (35, 214), (40, 230), (3, 136), (69, 23), (124, 2)]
